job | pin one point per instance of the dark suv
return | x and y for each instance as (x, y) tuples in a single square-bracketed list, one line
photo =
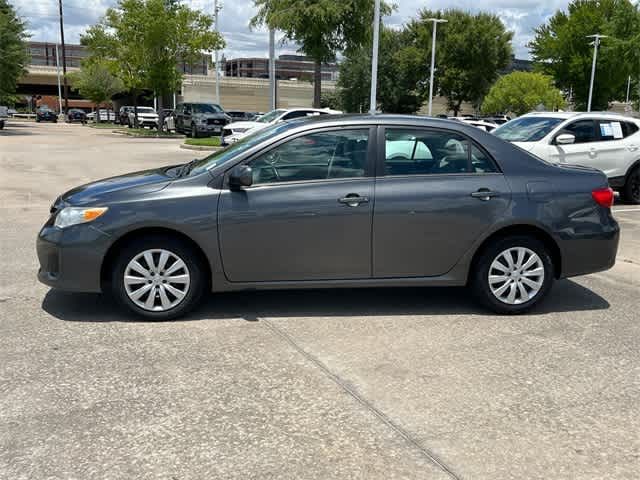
[(45, 114), (200, 119)]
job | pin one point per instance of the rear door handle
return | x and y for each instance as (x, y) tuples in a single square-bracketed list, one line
[(353, 200), (485, 194)]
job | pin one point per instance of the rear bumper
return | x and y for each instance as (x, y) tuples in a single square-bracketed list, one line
[(590, 251), (71, 259)]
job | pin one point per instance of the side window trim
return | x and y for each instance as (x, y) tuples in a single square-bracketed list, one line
[(381, 152), (369, 166)]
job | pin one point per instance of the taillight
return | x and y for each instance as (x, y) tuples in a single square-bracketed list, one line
[(603, 197)]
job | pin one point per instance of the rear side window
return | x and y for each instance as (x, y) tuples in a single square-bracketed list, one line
[(432, 152), (583, 130), (629, 128), (610, 130)]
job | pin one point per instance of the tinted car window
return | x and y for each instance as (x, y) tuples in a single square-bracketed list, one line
[(317, 156), (481, 162), (610, 130), (425, 152), (629, 128), (206, 108), (583, 130)]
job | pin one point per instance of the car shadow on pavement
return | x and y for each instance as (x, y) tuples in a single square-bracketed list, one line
[(566, 296)]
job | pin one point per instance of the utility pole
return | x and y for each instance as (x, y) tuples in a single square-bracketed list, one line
[(58, 73), (272, 69), (64, 61), (215, 9), (596, 43), (435, 21), (373, 101)]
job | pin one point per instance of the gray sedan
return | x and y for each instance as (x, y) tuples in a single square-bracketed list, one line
[(335, 201)]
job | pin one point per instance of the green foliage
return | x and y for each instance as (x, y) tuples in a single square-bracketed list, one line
[(330, 100), (320, 27), (522, 92), (13, 51), (203, 142), (399, 76), (561, 49), (97, 82), (143, 40), (471, 49)]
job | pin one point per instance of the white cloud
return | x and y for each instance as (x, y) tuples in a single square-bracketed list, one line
[(520, 16)]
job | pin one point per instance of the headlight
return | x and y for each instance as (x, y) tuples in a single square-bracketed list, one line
[(74, 215)]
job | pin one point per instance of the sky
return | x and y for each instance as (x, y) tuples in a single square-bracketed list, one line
[(519, 16)]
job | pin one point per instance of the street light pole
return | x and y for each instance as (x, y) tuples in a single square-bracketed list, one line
[(64, 61), (272, 70), (215, 10), (58, 73), (596, 43), (435, 21), (373, 101)]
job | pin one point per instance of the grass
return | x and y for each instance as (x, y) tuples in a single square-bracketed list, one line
[(109, 125), (203, 142), (144, 132)]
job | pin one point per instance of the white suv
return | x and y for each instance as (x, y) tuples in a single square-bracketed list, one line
[(606, 141)]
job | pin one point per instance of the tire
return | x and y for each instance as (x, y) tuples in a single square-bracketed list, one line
[(194, 131), (192, 276), (484, 266), (631, 191)]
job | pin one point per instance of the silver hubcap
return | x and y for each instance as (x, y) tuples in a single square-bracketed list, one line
[(156, 280), (516, 275)]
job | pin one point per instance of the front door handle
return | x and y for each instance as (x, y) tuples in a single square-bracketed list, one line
[(485, 194), (353, 200)]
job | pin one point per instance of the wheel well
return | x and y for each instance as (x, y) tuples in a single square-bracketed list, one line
[(526, 230), (109, 259)]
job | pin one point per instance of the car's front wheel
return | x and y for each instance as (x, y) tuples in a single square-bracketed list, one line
[(513, 274), (158, 278), (631, 190)]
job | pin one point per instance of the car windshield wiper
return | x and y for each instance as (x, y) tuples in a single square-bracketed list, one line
[(187, 167)]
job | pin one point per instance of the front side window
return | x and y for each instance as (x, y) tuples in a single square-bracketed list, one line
[(317, 156), (583, 130), (432, 152)]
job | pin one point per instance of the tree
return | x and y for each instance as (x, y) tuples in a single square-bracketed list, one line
[(470, 52), (13, 51), (143, 41), (400, 88), (321, 27), (522, 92), (561, 48), (96, 82)]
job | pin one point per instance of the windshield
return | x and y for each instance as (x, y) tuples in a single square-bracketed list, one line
[(218, 158), (146, 110), (527, 129), (206, 108), (270, 117)]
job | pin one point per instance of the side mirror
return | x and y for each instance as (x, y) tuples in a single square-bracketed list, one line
[(565, 139), (241, 176)]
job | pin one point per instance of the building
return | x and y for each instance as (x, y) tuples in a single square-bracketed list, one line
[(288, 67), (518, 65)]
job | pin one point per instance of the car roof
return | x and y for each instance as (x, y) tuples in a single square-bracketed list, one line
[(578, 115)]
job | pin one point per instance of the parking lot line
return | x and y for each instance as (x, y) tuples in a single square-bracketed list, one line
[(626, 210)]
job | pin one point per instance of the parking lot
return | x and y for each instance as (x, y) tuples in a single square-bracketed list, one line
[(374, 383)]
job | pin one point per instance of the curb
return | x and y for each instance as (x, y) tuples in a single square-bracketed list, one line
[(162, 137), (200, 147)]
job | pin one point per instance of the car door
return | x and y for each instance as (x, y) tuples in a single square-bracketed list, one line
[(584, 150), (436, 193), (614, 156), (307, 215)]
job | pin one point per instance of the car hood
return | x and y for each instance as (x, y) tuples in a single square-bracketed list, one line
[(117, 188), (528, 146), (246, 125)]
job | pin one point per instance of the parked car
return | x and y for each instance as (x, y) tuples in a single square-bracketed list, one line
[(169, 120), (4, 114), (237, 130), (12, 112), (45, 114), (238, 115), (606, 141), (498, 119), (76, 115), (292, 206), (123, 115), (200, 119), (481, 124), (147, 117)]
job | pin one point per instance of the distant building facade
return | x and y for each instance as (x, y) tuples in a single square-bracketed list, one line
[(288, 67), (518, 65)]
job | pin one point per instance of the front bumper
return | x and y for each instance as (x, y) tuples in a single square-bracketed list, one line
[(71, 258), (212, 129)]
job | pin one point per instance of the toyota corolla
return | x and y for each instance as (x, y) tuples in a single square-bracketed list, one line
[(335, 201)]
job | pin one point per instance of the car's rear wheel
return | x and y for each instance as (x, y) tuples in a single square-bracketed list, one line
[(631, 190), (158, 278), (513, 274)]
